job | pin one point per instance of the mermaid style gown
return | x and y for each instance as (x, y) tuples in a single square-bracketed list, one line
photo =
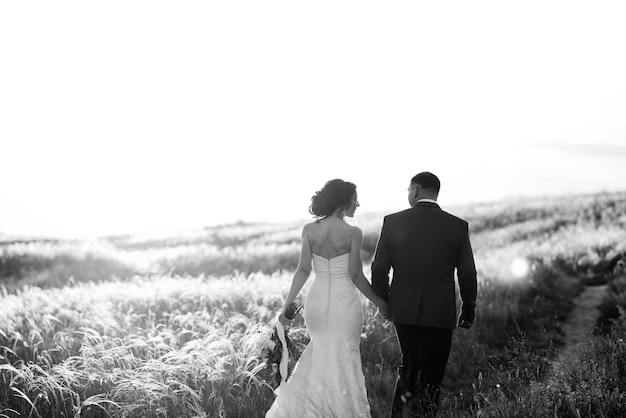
[(328, 379)]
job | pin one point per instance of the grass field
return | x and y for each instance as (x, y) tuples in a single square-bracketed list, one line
[(163, 326)]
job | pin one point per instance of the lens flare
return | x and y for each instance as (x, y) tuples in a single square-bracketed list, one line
[(520, 267)]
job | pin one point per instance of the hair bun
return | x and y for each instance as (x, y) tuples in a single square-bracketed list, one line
[(334, 194), (320, 205)]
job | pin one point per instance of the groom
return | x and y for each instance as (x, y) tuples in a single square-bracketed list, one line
[(424, 245)]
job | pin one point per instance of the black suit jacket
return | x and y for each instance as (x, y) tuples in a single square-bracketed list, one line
[(424, 245)]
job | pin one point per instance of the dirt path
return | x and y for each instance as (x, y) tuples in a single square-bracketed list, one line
[(578, 327)]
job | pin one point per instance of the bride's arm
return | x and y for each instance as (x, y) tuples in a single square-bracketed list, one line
[(356, 270), (300, 276)]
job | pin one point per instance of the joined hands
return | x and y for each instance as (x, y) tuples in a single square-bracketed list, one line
[(383, 309), (385, 314)]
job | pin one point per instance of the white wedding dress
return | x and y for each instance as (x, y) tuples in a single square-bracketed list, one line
[(328, 379)]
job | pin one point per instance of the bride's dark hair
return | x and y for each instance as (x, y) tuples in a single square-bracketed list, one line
[(334, 194)]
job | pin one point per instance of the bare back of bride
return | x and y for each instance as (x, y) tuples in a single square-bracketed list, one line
[(328, 379)]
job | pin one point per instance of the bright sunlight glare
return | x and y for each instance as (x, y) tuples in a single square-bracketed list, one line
[(146, 117), (520, 267)]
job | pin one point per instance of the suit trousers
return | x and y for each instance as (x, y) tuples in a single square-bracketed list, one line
[(425, 352)]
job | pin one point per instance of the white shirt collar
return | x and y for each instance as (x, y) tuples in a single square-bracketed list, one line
[(428, 201)]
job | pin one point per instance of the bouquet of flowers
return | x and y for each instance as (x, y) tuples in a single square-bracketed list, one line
[(273, 346)]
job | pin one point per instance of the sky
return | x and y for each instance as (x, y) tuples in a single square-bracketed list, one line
[(147, 116)]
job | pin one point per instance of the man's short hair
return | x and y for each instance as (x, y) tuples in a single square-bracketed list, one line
[(427, 180)]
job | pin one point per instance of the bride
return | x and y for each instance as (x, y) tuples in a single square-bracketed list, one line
[(328, 379)]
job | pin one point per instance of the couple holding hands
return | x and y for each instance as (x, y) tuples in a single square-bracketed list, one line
[(423, 245)]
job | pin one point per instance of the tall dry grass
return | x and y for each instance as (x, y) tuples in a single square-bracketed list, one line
[(164, 327)]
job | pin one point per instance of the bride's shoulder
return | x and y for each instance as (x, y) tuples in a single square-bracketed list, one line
[(309, 227), (354, 228), (355, 232)]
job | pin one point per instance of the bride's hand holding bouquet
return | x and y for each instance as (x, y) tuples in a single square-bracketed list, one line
[(288, 314), (273, 345), (284, 320)]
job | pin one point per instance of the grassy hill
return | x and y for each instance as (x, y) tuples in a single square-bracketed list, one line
[(155, 326)]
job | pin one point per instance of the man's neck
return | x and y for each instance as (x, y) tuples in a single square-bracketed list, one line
[(427, 199)]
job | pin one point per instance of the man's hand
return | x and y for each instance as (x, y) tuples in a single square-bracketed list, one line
[(465, 324), (466, 319)]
